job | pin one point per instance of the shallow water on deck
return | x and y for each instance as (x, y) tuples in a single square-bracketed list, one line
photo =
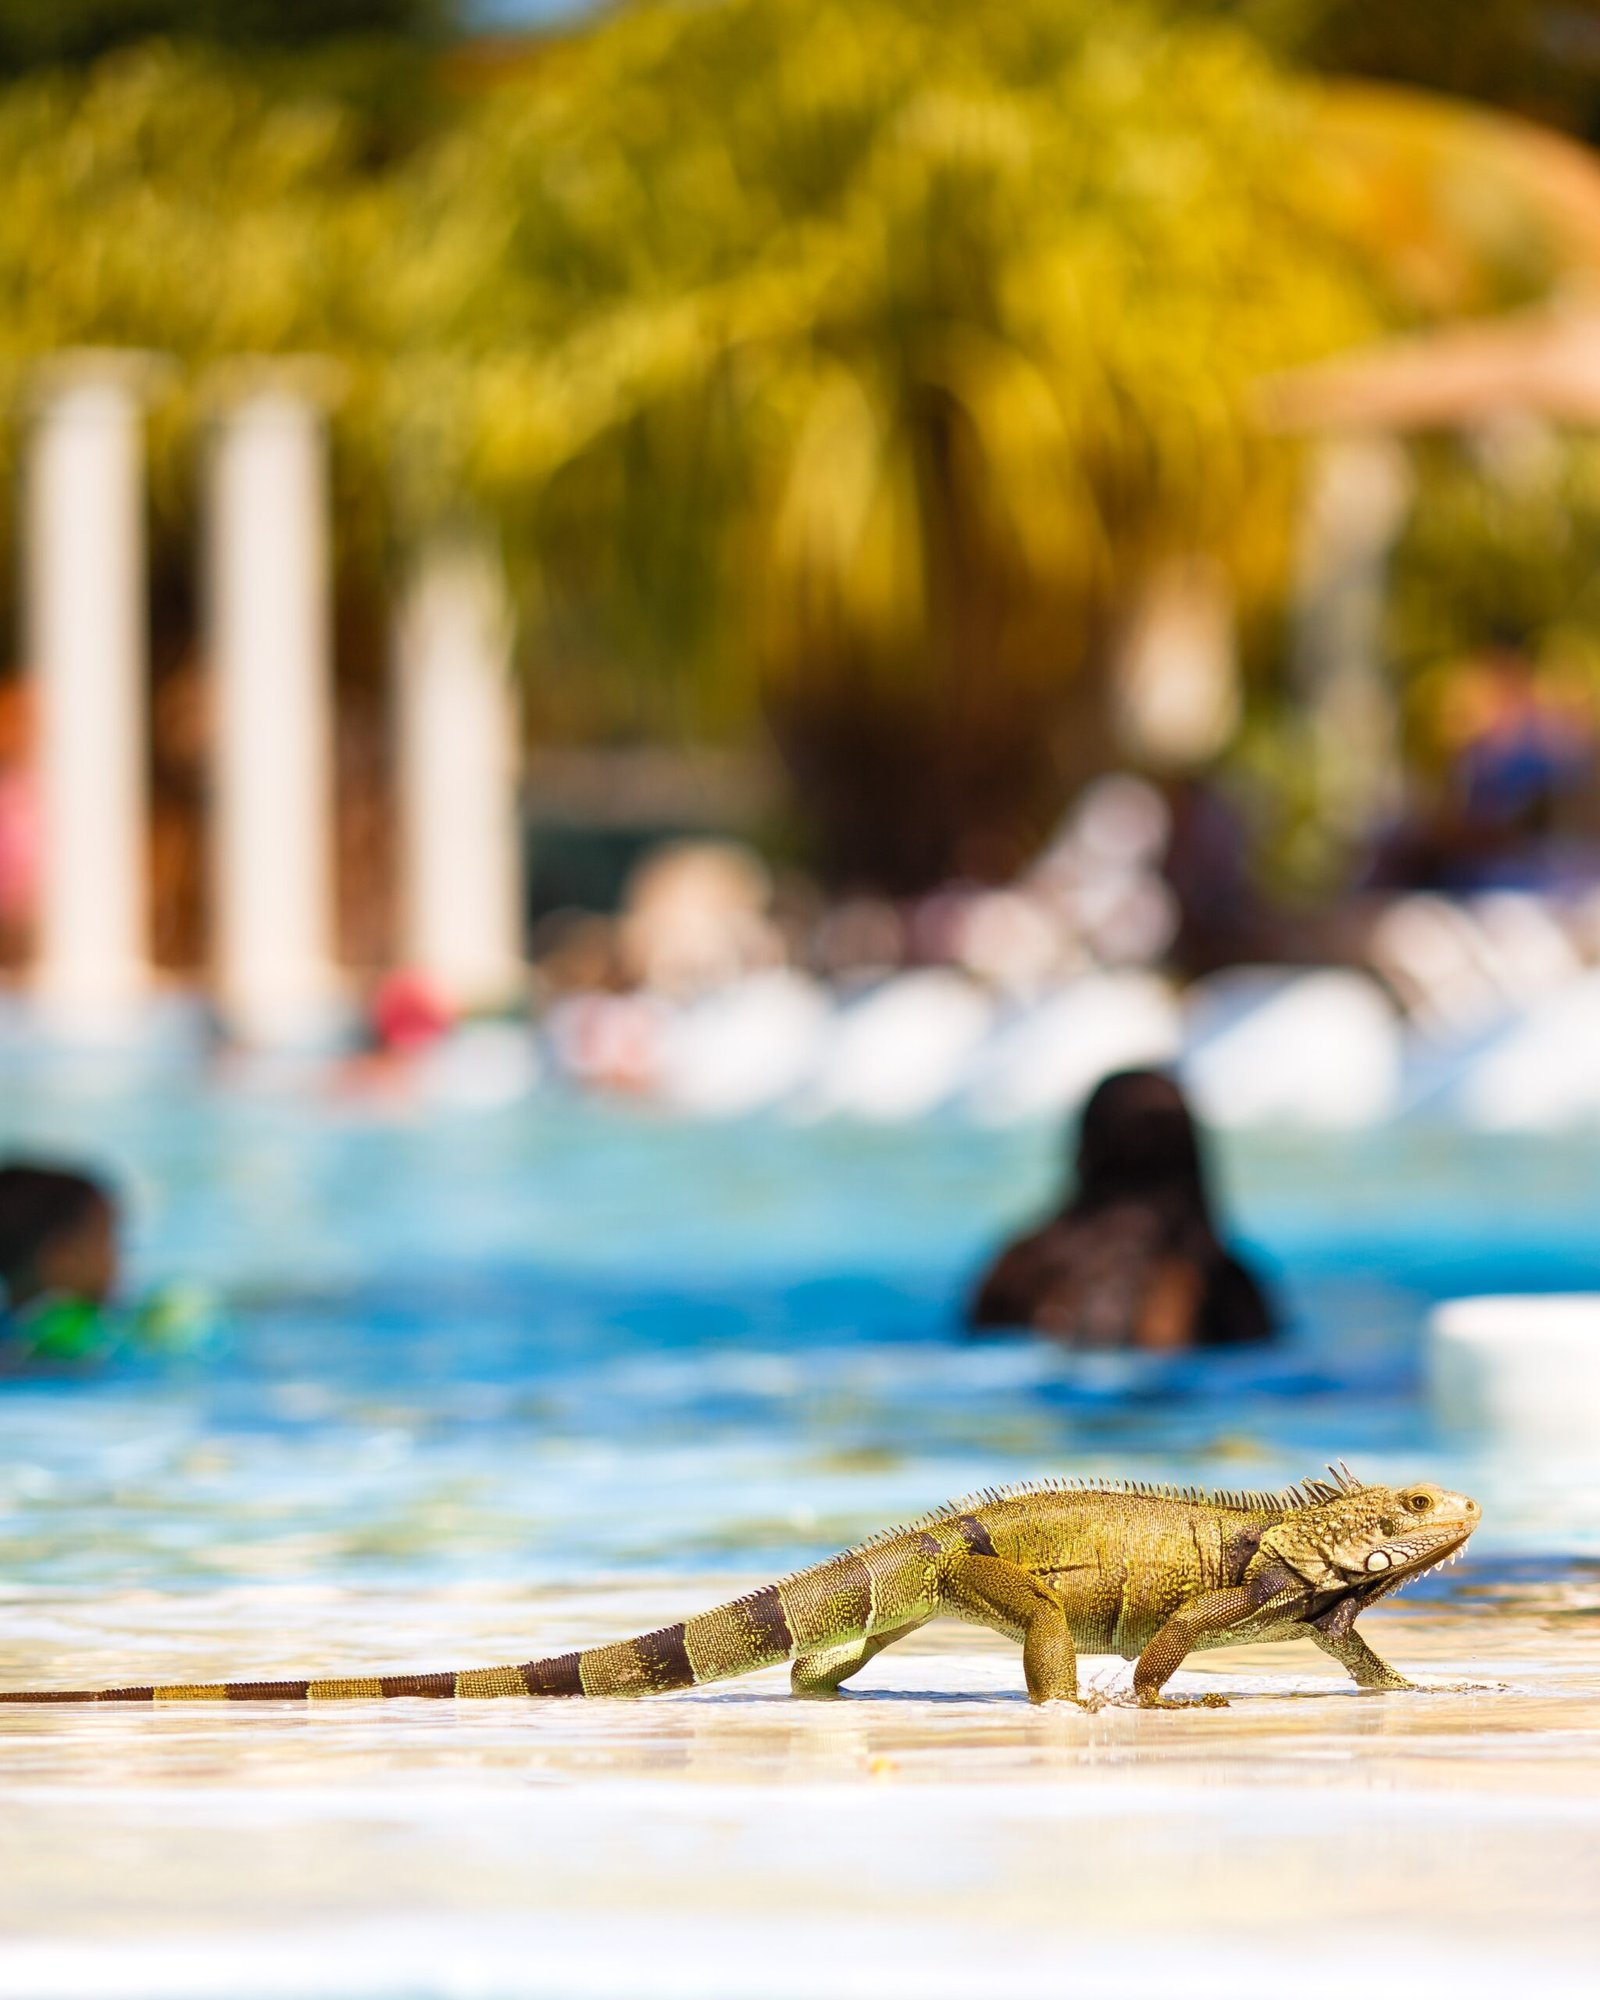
[(496, 1385)]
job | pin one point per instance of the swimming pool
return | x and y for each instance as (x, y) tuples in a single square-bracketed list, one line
[(564, 1340), (489, 1386)]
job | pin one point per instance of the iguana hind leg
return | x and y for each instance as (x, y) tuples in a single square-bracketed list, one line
[(1007, 1599), (1360, 1662), (815, 1676)]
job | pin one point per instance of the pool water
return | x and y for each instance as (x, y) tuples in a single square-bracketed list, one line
[(562, 1340), (495, 1384)]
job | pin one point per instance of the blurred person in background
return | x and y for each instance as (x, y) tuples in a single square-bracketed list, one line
[(1527, 749), (1223, 918), (61, 1274), (1520, 747), (696, 915), (1133, 1259), (59, 1262)]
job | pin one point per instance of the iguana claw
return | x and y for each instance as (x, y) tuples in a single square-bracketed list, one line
[(1184, 1701)]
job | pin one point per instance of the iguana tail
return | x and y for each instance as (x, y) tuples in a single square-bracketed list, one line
[(873, 1590)]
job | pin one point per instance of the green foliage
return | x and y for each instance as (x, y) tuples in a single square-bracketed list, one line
[(1503, 543), (842, 363), (1528, 56), (866, 354), (170, 204), (36, 34)]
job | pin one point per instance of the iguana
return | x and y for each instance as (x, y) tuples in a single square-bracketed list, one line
[(1150, 1572)]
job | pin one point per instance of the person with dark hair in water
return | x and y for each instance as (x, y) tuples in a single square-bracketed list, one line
[(58, 1261), (58, 1233), (1133, 1258), (60, 1276)]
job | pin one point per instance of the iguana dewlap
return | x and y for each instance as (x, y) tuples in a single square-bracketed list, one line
[(1151, 1573)]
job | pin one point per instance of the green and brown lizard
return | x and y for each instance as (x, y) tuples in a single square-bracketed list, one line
[(1152, 1573)]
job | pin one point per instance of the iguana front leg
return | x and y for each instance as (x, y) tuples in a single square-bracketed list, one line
[(1360, 1662), (1212, 1612), (1009, 1600)]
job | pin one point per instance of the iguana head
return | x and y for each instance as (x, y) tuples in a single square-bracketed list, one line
[(1371, 1539)]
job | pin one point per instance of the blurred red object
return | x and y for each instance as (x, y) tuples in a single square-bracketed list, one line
[(407, 1014)]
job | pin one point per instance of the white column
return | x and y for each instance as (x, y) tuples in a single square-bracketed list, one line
[(459, 762), (1360, 495), (1175, 674), (86, 612), (270, 643)]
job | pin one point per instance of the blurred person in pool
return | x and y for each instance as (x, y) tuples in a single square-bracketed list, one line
[(1132, 1259), (60, 1271), (58, 1260)]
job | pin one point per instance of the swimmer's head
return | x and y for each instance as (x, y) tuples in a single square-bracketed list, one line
[(1136, 1138), (58, 1234)]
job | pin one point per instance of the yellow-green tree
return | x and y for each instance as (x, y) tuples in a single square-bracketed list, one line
[(168, 201), (839, 364), (860, 356)]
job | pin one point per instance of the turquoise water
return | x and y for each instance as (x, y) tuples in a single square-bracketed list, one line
[(563, 1341)]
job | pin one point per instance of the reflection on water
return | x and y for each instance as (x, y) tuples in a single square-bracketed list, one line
[(496, 1386)]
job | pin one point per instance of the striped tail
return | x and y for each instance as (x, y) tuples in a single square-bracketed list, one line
[(880, 1587), (537, 1677)]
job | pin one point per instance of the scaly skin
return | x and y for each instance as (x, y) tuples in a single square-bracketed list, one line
[(1148, 1572)]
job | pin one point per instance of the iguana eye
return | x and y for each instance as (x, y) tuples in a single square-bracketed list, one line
[(1419, 1503)]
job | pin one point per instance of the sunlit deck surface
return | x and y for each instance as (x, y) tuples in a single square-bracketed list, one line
[(932, 1833)]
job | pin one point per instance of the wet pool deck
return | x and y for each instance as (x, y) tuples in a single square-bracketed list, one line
[(931, 1834)]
